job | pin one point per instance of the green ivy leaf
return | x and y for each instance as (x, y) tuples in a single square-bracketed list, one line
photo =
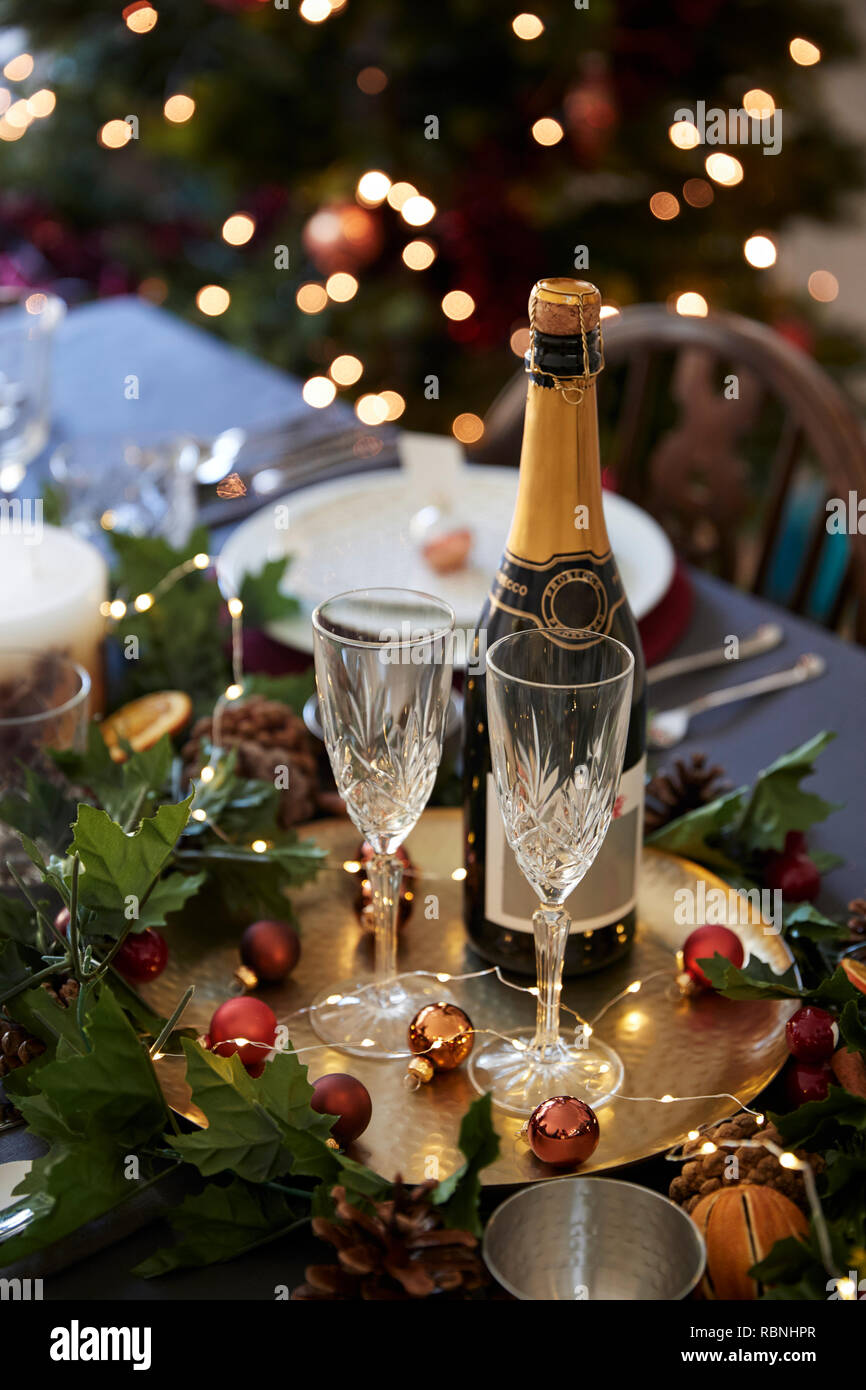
[(777, 803), (127, 790), (169, 894), (221, 1223), (694, 835), (757, 980), (118, 865), (44, 811), (806, 921), (262, 596), (479, 1144), (805, 1127), (852, 1028)]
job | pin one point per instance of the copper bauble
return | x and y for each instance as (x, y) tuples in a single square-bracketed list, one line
[(270, 949), (562, 1131), (443, 1033)]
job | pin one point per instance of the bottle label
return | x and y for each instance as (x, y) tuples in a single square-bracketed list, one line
[(607, 892), (566, 591)]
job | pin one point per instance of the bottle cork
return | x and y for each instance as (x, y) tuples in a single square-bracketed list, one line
[(556, 305)]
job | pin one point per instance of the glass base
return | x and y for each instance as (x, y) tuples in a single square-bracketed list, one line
[(520, 1078), (368, 1019)]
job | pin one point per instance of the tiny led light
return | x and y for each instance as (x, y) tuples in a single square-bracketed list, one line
[(664, 206), (823, 286), (789, 1160), (234, 692), (396, 405), (801, 50), (260, 846), (724, 169), (694, 1134), (199, 814), (179, 108), (846, 1288), (527, 26), (341, 286), (372, 188), (457, 304), (117, 608), (634, 987), (42, 103), (238, 229), (547, 131), (418, 255), (351, 866), (759, 104), (708, 1148), (201, 561), (140, 17), (458, 875), (311, 298), (760, 251), (371, 409), (235, 607), (319, 391), (346, 369), (115, 134), (315, 11), (143, 602), (418, 211), (17, 69), (467, 428), (684, 134), (206, 774), (213, 300), (692, 305)]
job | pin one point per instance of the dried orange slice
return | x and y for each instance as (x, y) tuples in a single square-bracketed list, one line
[(856, 972), (143, 722)]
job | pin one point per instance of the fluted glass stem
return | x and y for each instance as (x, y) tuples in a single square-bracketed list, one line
[(551, 936), (386, 874)]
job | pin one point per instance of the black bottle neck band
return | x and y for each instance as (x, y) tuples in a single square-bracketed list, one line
[(553, 357)]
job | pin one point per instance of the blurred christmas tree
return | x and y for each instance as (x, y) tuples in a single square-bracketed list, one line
[(224, 143)]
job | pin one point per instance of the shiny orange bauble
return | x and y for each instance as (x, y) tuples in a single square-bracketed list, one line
[(562, 1131), (443, 1033)]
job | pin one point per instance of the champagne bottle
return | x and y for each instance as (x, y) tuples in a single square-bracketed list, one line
[(557, 571)]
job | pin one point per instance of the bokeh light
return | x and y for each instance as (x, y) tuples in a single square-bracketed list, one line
[(759, 104), (346, 369), (238, 229), (519, 340), (213, 300), (314, 11), (692, 305), (115, 134), (418, 211), (468, 428), (19, 114), (394, 402), (457, 304), (724, 169), (140, 17), (547, 131), (527, 26), (418, 255), (804, 52), (371, 81), (319, 391), (608, 311), (684, 134), (179, 108), (42, 103), (311, 298), (20, 68), (371, 410), (698, 193), (664, 206), (400, 193), (823, 286), (341, 286), (372, 188), (760, 251)]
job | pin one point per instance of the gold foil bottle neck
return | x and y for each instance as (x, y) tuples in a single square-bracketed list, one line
[(558, 305)]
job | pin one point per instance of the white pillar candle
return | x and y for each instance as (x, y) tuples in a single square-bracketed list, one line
[(52, 583)]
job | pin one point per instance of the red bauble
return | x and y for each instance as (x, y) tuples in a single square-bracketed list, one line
[(792, 872), (805, 1081), (346, 1097), (142, 956), (271, 950), (246, 1018), (562, 1131), (342, 236), (61, 921), (812, 1034), (705, 942)]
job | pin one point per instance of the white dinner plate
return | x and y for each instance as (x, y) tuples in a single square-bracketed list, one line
[(354, 533)]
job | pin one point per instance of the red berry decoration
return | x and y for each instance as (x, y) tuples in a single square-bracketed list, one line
[(812, 1034), (61, 921), (271, 950), (805, 1081), (704, 943), (346, 1097), (142, 956), (562, 1131), (792, 872), (248, 1019)]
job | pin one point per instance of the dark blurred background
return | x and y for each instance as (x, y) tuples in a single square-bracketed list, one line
[(529, 134)]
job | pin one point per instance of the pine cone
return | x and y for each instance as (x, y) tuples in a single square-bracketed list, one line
[(267, 735), (857, 920), (401, 1252), (671, 793), (706, 1172)]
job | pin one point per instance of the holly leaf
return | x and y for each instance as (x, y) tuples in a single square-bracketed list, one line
[(804, 920), (479, 1143), (777, 804), (834, 990), (126, 791), (852, 1029), (259, 1131), (44, 811), (757, 980), (816, 1121), (697, 834), (221, 1223), (262, 596), (118, 865), (108, 1091), (169, 894)]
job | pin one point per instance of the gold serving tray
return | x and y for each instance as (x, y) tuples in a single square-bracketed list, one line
[(670, 1045)]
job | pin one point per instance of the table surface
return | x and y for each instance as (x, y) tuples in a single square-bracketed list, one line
[(189, 381)]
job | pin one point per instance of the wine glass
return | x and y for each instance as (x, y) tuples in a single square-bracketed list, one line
[(383, 671), (558, 712)]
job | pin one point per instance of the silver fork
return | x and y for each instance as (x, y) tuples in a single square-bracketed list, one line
[(671, 725), (763, 639)]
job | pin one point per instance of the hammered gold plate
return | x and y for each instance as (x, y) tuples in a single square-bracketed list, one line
[(670, 1045)]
